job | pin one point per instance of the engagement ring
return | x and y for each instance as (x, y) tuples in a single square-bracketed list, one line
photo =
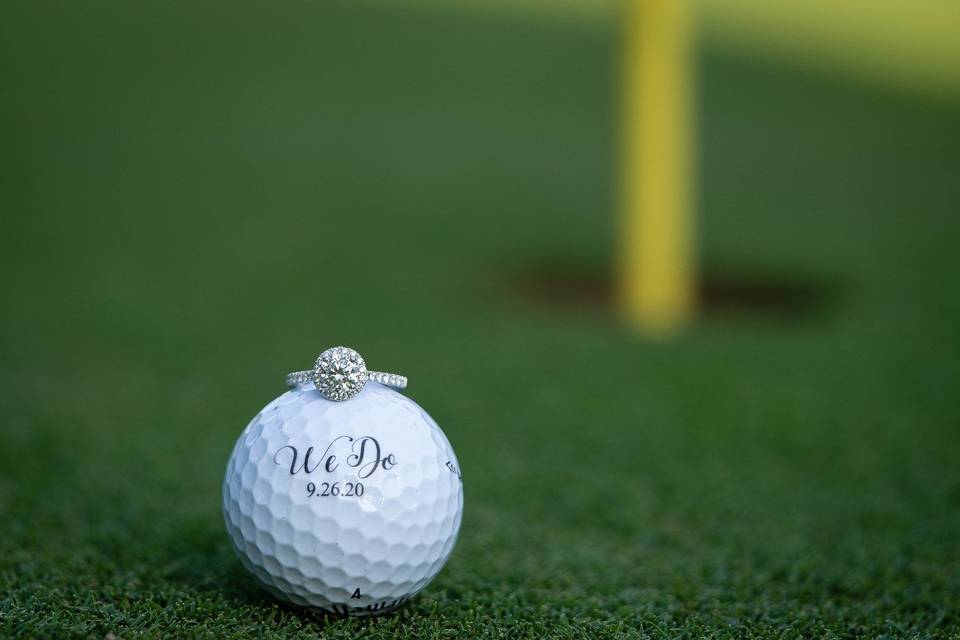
[(340, 373)]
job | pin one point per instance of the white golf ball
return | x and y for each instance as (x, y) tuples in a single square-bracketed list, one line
[(351, 507)]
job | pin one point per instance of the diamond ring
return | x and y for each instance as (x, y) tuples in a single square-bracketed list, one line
[(339, 373)]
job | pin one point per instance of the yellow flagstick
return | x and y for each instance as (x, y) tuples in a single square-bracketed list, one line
[(657, 272)]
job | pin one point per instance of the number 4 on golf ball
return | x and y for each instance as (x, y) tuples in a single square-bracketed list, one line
[(349, 507)]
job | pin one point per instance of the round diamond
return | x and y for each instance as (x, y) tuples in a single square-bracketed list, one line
[(339, 373)]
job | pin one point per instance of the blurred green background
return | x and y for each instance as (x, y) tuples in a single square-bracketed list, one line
[(199, 197)]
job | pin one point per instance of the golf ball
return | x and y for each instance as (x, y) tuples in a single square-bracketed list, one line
[(349, 507)]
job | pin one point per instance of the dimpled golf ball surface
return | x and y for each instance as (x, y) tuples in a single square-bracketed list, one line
[(349, 507)]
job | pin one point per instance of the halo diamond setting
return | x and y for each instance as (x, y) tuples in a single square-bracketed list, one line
[(339, 373)]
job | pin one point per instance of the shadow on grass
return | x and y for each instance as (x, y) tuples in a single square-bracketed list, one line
[(723, 293)]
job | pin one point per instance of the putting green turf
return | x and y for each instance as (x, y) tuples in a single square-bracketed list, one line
[(186, 192)]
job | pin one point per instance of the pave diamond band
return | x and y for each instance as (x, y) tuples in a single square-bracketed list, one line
[(295, 378), (340, 373), (389, 379)]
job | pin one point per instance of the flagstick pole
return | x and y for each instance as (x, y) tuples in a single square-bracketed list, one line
[(657, 272)]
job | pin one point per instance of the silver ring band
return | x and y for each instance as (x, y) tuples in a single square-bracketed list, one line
[(295, 378)]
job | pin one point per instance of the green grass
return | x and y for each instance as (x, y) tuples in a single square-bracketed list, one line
[(183, 186)]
